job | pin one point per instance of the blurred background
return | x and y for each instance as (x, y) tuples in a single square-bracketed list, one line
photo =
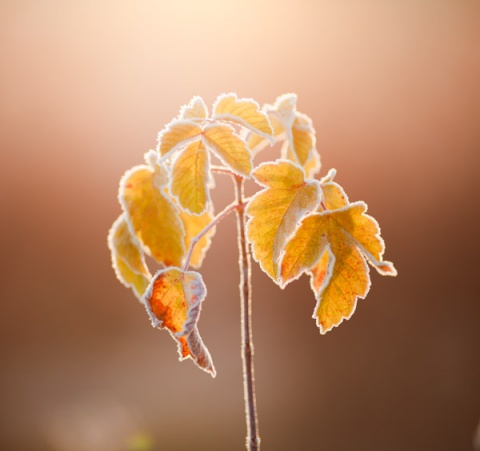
[(393, 90)]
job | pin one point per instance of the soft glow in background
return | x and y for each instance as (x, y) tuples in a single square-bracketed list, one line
[(393, 90)]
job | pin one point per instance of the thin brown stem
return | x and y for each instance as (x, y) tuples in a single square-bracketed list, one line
[(225, 212), (253, 438)]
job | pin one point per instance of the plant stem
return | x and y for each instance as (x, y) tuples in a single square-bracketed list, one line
[(225, 212), (253, 438)]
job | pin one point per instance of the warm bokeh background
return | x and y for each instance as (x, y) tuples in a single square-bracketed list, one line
[(393, 90)]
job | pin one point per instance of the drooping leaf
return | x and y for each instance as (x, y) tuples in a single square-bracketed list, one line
[(193, 225), (127, 258), (333, 244), (245, 112), (153, 218), (173, 302), (229, 147), (177, 134), (196, 109), (275, 211), (190, 178)]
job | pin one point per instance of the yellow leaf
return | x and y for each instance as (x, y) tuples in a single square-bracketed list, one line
[(152, 216), (190, 177), (177, 134), (334, 197), (296, 129), (346, 279), (275, 211), (196, 109), (281, 116), (193, 225), (229, 147), (245, 112), (173, 302), (300, 145), (334, 244), (127, 258)]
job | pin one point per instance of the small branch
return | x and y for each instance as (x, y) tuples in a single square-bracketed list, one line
[(224, 213), (222, 170), (253, 438)]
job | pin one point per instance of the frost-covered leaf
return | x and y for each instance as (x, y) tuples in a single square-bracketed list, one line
[(275, 211), (334, 197), (303, 138), (153, 217), (193, 225), (281, 116), (177, 134), (190, 178), (127, 258), (196, 109), (333, 244), (245, 112), (229, 147), (295, 129), (173, 301)]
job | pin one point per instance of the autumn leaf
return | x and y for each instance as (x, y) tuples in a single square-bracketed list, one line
[(245, 112), (189, 177), (333, 244), (152, 216), (275, 211), (195, 109), (334, 197), (229, 147), (177, 134), (127, 258), (281, 116), (295, 129), (173, 302)]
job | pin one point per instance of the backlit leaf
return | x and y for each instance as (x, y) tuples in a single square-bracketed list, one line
[(127, 258), (229, 147), (153, 218), (275, 211), (196, 109), (334, 244), (281, 116), (295, 129), (190, 177), (245, 112), (176, 134), (173, 301), (334, 196)]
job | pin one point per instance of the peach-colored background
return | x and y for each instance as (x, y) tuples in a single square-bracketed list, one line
[(393, 89)]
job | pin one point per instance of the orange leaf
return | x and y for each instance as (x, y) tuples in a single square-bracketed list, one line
[(334, 244), (154, 218), (245, 112), (173, 302), (127, 258), (275, 211), (190, 178), (229, 147)]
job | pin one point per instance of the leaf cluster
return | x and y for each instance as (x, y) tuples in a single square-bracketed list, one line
[(296, 224)]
